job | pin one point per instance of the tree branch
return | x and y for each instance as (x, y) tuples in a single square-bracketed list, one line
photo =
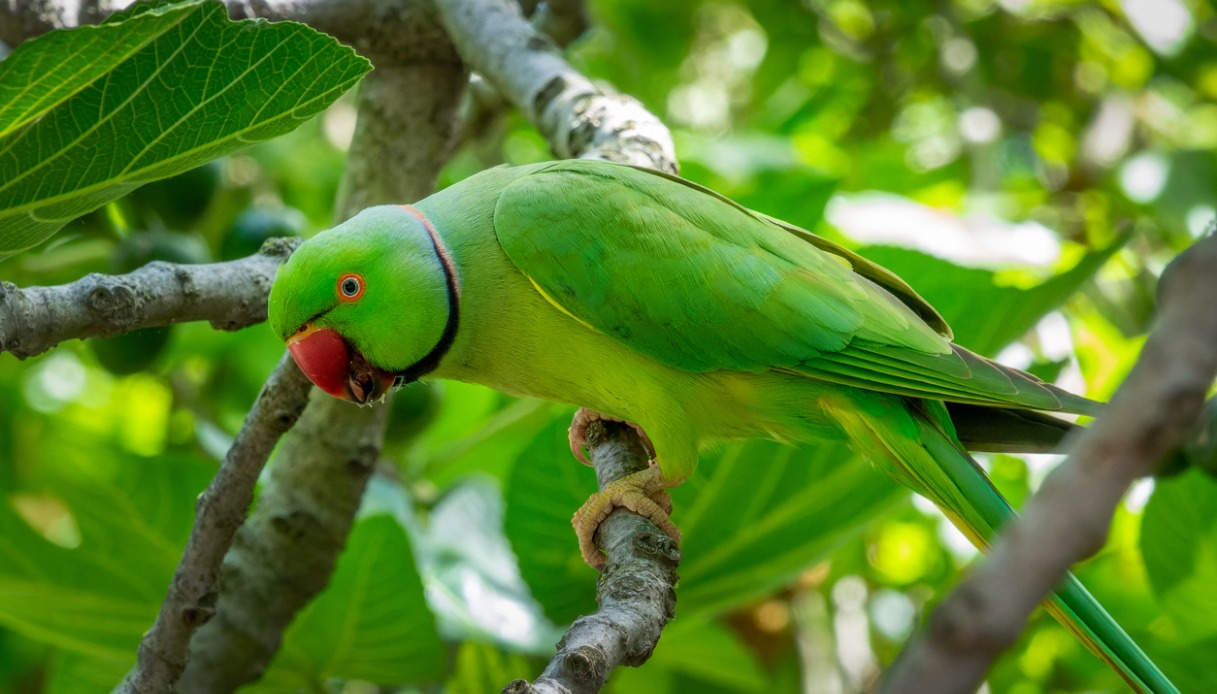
[(388, 32), (578, 119), (561, 20), (1068, 518), (635, 591), (230, 295), (220, 511)]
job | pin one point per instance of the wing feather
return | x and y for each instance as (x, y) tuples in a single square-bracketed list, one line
[(698, 282)]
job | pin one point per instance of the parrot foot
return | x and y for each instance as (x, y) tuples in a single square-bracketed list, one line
[(642, 492), (577, 433)]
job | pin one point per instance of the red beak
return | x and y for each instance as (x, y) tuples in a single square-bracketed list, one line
[(325, 359), (323, 356)]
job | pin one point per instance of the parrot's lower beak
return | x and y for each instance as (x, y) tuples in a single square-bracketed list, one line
[(335, 367), (366, 383)]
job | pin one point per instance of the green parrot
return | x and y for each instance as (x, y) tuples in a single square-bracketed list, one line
[(651, 300)]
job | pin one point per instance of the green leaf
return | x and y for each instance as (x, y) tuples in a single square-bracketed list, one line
[(481, 667), (543, 489), (708, 652), (71, 673), (473, 583), (162, 91), (474, 430), (694, 656), (1179, 543), (1190, 665), (99, 598), (371, 623), (758, 513), (985, 314), (753, 517)]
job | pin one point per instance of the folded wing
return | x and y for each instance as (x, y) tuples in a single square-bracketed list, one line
[(698, 282)]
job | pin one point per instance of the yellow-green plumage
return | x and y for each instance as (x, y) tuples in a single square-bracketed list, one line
[(656, 301)]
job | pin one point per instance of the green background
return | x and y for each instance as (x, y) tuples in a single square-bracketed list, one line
[(989, 152)]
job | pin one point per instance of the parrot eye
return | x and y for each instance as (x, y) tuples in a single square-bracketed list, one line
[(350, 287)]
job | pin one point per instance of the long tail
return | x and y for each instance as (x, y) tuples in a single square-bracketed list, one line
[(914, 439)]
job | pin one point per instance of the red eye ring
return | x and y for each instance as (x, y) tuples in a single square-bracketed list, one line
[(350, 287)]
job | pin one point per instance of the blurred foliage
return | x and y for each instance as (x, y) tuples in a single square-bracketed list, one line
[(992, 153)]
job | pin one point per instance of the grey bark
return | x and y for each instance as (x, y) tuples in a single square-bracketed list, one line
[(230, 295), (389, 32), (1067, 520), (577, 118), (220, 511)]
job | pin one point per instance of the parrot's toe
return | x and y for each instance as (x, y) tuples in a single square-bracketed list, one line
[(664, 500), (577, 434), (641, 492)]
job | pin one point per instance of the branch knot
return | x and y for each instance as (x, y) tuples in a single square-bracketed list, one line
[(115, 301)]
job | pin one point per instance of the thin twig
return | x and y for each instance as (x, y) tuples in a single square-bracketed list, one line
[(1068, 518), (636, 591), (220, 511), (230, 295)]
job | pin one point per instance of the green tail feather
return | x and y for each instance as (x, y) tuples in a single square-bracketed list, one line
[(936, 466)]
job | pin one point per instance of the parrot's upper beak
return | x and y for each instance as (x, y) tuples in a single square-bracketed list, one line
[(336, 368)]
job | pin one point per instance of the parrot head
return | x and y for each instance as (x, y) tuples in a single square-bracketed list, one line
[(367, 304)]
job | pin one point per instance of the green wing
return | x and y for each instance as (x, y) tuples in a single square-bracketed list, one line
[(700, 283)]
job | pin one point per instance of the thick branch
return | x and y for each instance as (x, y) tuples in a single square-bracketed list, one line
[(1068, 518), (406, 118), (231, 295), (389, 32), (635, 591), (220, 511), (563, 21), (577, 118)]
